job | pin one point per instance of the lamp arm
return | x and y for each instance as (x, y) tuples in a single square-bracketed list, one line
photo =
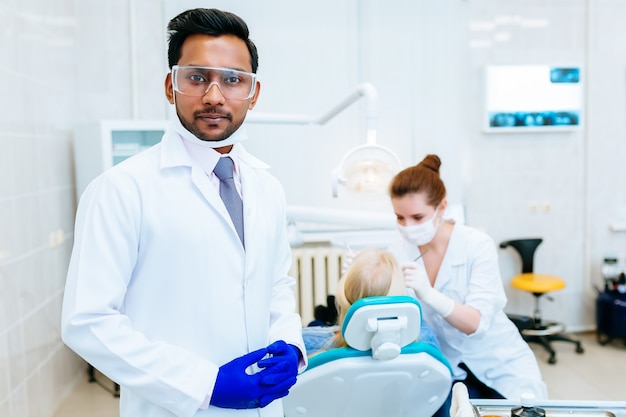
[(362, 90), (365, 90)]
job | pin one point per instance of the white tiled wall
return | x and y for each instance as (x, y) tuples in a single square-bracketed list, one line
[(63, 62), (67, 62), (37, 44)]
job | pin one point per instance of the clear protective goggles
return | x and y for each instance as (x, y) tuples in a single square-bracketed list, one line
[(197, 81)]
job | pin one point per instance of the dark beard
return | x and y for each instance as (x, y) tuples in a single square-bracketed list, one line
[(197, 132)]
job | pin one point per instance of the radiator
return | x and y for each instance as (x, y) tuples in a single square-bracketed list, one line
[(317, 270)]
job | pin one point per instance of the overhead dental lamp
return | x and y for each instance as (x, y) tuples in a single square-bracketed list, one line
[(365, 170)]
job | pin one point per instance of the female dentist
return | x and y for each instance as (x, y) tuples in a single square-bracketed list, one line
[(457, 280)]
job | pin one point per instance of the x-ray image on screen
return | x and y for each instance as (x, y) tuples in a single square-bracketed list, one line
[(526, 97)]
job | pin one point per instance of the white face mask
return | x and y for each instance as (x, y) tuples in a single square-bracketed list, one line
[(420, 234)]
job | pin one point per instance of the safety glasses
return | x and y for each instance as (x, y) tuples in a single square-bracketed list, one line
[(197, 81)]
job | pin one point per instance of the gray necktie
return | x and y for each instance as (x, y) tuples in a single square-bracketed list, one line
[(224, 171)]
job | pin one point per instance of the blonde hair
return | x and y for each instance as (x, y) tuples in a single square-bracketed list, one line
[(373, 272)]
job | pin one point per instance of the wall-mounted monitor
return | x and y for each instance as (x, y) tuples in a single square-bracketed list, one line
[(522, 98)]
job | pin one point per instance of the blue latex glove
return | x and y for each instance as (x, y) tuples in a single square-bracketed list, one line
[(281, 365), (235, 388)]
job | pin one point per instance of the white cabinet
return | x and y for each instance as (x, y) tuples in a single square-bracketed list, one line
[(101, 145)]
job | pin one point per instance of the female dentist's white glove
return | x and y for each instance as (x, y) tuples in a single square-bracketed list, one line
[(415, 277), (461, 406), (348, 258)]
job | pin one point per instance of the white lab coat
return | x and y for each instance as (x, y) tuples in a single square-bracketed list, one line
[(495, 352), (160, 291)]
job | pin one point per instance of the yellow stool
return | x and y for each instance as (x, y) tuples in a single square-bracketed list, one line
[(538, 285)]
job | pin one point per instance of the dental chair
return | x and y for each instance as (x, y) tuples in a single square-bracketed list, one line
[(384, 371)]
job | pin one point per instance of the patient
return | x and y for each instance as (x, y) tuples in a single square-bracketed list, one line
[(374, 272)]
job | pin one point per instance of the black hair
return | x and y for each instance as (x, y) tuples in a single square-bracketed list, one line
[(211, 22)]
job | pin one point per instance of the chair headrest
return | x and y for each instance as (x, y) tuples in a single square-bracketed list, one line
[(383, 324)]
